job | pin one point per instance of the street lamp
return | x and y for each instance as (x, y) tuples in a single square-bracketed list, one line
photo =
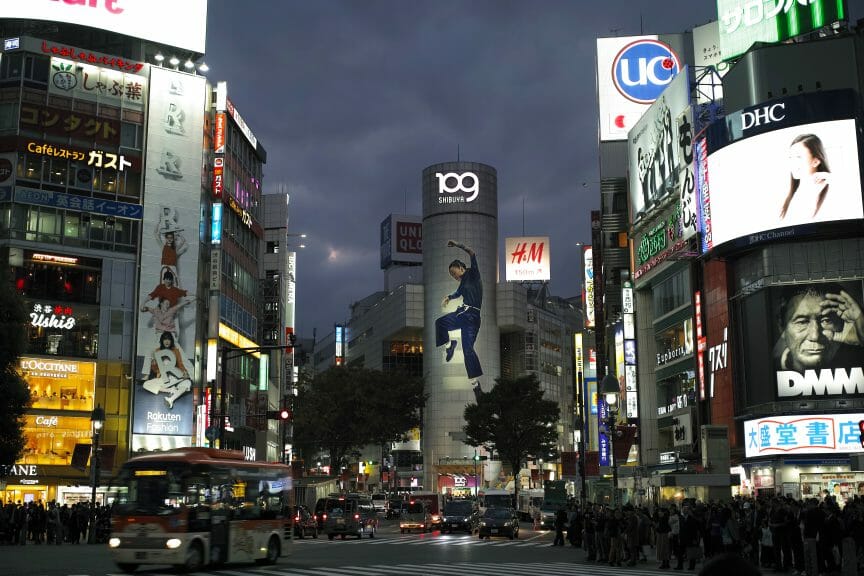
[(97, 420), (610, 390), (476, 480)]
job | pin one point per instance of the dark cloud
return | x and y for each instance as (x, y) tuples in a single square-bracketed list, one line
[(353, 98)]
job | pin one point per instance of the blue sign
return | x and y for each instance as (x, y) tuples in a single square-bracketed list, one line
[(643, 69), (78, 203), (605, 450), (216, 224)]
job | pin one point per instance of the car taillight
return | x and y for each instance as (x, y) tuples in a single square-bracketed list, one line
[(324, 517), (356, 516), (297, 518)]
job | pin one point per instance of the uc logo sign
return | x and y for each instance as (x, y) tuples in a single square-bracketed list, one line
[(465, 182), (642, 69)]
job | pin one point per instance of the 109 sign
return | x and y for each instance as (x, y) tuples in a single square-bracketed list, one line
[(643, 68), (451, 183)]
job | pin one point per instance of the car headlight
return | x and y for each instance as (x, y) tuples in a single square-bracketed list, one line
[(173, 543), (113, 542), (483, 524)]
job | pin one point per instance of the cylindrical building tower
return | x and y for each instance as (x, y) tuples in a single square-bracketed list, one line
[(460, 203)]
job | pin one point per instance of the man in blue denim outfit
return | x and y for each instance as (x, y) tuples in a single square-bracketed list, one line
[(466, 317)]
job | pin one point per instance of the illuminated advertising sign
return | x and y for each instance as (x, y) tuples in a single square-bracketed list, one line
[(793, 172), (216, 224), (811, 434), (818, 340), (401, 240), (179, 24), (95, 158), (743, 22), (70, 124), (632, 71), (527, 258), (218, 176), (241, 124), (219, 134), (661, 155), (165, 367), (466, 186), (588, 258), (94, 84), (82, 56), (78, 203)]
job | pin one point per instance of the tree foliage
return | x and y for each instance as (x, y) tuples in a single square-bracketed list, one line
[(515, 421), (14, 393), (345, 408)]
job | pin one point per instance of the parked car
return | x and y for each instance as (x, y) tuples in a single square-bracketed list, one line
[(415, 517), (343, 520), (499, 522), (460, 515), (304, 522)]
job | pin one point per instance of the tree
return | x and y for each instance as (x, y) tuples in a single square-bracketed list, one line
[(345, 408), (13, 389), (515, 421)]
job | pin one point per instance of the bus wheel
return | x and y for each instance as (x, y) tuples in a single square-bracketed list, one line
[(272, 551), (194, 558), (127, 567)]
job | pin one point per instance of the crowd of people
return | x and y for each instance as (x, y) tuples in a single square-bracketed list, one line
[(807, 537), (35, 523)]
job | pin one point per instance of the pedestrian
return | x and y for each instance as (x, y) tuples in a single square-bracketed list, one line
[(662, 529), (560, 524)]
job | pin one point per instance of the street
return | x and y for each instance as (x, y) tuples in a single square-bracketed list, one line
[(390, 553)]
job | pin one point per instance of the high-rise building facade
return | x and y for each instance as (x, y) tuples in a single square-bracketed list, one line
[(84, 228)]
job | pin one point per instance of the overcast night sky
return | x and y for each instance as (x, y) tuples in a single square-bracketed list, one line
[(353, 98)]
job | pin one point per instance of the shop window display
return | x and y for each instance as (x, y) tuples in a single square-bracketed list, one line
[(59, 384)]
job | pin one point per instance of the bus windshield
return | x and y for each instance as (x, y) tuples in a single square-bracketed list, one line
[(157, 490)]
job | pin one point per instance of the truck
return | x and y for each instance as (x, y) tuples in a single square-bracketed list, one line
[(434, 503), (530, 501), (554, 498), (495, 498)]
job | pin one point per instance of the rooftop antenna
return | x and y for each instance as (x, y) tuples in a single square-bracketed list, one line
[(458, 153), (641, 24), (523, 215), (406, 201)]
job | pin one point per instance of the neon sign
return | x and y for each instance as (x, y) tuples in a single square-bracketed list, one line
[(47, 316)]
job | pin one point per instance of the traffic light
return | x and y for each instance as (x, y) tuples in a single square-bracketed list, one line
[(281, 414)]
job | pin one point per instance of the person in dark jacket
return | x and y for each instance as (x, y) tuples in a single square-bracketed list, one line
[(560, 524)]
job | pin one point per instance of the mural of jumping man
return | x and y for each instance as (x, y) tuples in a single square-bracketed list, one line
[(466, 318)]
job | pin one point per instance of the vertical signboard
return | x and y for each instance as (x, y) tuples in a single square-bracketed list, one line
[(588, 258), (165, 373)]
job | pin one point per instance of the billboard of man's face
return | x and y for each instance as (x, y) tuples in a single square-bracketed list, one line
[(819, 339), (809, 331)]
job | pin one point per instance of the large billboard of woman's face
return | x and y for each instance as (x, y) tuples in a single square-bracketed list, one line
[(797, 175), (780, 169)]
